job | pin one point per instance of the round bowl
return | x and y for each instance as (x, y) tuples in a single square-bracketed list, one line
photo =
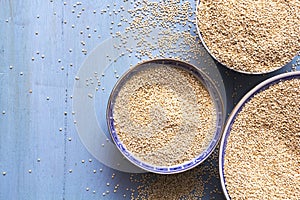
[(226, 132), (222, 63), (213, 92)]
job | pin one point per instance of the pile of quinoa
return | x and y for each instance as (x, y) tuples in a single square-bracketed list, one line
[(164, 115), (251, 36), (262, 158), (186, 185)]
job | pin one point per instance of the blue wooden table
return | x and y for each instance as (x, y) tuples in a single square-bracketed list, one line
[(58, 62)]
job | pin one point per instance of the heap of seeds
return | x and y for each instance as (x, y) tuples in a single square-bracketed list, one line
[(197, 183), (262, 159), (187, 185), (164, 115), (251, 36)]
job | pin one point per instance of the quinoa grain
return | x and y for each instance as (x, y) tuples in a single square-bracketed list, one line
[(164, 115), (262, 157), (187, 185), (251, 36)]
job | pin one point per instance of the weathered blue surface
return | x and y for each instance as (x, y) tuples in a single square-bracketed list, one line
[(40, 151)]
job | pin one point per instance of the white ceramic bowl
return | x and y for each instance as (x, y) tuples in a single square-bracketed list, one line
[(214, 57), (260, 87)]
